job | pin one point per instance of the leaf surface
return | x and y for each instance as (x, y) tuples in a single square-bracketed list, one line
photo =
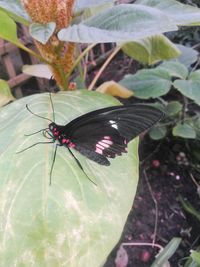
[(72, 222)]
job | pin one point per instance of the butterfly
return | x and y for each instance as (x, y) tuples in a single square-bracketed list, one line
[(101, 134)]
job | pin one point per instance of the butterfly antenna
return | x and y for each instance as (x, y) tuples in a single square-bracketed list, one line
[(37, 114), (54, 119)]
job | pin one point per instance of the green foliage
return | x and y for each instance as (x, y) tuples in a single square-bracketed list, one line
[(157, 82), (41, 32), (72, 222), (5, 93), (151, 49), (166, 253)]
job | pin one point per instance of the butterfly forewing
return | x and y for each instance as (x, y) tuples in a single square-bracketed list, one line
[(104, 133)]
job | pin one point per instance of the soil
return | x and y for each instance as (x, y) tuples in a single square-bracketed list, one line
[(167, 179)]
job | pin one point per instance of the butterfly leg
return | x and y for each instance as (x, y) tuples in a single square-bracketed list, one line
[(80, 166), (54, 158), (33, 146)]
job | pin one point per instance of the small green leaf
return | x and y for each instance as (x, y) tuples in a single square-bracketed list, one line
[(148, 83), (196, 256), (8, 30), (175, 69), (42, 32), (5, 93), (151, 49), (184, 130), (188, 55), (189, 208), (157, 133), (167, 252), (189, 88), (173, 108), (195, 76)]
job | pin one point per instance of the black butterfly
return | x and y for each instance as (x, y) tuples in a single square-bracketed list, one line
[(103, 133)]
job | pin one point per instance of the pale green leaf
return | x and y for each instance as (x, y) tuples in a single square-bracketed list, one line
[(180, 14), (82, 4), (15, 8), (71, 223), (188, 55), (151, 49), (195, 75), (42, 32), (120, 23), (189, 88), (157, 133), (38, 70), (148, 83), (196, 256), (167, 252), (173, 108), (5, 93), (175, 69), (184, 130)]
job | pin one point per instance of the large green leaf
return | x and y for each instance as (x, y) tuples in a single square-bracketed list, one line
[(120, 23), (151, 49), (71, 223), (82, 4), (148, 83), (179, 13)]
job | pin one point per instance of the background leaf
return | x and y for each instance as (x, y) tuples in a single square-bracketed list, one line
[(5, 93), (151, 49), (148, 83), (120, 23), (42, 32), (179, 13), (72, 222), (184, 130), (16, 9)]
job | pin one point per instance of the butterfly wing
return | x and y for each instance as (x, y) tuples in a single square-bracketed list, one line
[(105, 133)]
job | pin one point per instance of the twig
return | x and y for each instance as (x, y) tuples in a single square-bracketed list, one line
[(91, 86), (156, 207), (142, 244)]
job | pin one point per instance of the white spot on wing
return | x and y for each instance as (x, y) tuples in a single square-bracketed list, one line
[(113, 124)]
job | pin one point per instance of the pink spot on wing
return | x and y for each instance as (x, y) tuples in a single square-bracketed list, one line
[(109, 142), (71, 145), (103, 144), (99, 151), (65, 141), (125, 142), (100, 146), (107, 137)]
